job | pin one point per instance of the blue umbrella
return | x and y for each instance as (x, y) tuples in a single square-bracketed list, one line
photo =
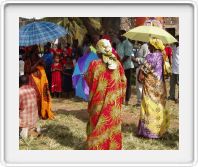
[(39, 33), (80, 85)]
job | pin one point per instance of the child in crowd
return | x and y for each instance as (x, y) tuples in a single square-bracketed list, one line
[(59, 50), (28, 109), (68, 69), (69, 50), (56, 69)]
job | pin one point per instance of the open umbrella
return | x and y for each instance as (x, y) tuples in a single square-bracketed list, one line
[(80, 85), (40, 32), (144, 33)]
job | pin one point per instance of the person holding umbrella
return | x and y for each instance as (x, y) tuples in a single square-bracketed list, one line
[(154, 119), (34, 67), (107, 84)]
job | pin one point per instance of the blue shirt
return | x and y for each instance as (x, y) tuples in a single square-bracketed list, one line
[(125, 48), (48, 59)]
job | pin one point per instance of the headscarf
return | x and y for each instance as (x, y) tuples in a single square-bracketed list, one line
[(103, 46), (157, 43)]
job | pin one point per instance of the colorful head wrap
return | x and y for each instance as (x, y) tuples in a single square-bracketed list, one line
[(104, 47), (157, 43)]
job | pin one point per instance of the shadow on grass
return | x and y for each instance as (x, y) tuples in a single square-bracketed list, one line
[(64, 136), (171, 139), (72, 98), (79, 114), (77, 99), (129, 128)]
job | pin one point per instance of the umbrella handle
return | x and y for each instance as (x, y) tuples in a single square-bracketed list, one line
[(39, 46), (82, 74)]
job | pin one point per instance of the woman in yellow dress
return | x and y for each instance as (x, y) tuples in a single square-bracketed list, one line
[(154, 119)]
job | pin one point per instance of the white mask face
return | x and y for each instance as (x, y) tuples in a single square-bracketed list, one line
[(111, 62), (104, 47), (112, 66), (105, 59)]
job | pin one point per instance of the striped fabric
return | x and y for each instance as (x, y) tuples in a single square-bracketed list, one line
[(40, 32), (28, 109)]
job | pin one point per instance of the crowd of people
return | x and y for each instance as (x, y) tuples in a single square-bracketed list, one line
[(109, 80)]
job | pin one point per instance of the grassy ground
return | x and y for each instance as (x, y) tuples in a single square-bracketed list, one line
[(67, 131)]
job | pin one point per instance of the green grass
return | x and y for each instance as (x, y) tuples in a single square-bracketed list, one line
[(68, 130)]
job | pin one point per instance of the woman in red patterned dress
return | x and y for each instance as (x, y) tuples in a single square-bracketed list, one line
[(56, 69), (107, 83)]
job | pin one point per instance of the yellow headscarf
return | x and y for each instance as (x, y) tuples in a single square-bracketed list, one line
[(104, 47), (157, 43)]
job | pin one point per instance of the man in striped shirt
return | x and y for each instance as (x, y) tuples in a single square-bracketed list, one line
[(28, 109)]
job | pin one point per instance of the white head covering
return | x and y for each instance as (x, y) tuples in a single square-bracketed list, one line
[(104, 47)]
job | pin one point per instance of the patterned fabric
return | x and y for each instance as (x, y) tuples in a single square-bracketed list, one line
[(28, 109), (125, 48), (56, 78), (154, 118), (107, 90), (40, 32), (39, 81)]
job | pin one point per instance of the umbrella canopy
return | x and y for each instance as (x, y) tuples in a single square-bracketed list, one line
[(40, 32), (80, 85), (144, 33)]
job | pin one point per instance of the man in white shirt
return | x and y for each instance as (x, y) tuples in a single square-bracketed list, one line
[(139, 59), (125, 52), (175, 72)]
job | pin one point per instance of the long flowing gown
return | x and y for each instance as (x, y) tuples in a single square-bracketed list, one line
[(40, 84), (154, 119), (107, 91)]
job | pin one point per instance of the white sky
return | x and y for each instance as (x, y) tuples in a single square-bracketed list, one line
[(31, 17)]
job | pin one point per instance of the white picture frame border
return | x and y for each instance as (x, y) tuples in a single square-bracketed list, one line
[(2, 104)]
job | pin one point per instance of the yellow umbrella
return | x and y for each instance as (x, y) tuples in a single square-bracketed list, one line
[(144, 33)]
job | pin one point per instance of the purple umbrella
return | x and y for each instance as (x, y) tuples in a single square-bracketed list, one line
[(79, 83)]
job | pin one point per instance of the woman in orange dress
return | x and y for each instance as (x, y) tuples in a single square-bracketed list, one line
[(34, 67)]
